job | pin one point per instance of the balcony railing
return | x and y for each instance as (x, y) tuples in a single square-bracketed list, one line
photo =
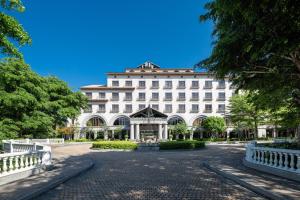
[(114, 111), (195, 111), (221, 99), (154, 99), (207, 99), (181, 87), (87, 110), (155, 87), (168, 87), (207, 87), (141, 87), (167, 99), (167, 111), (195, 87), (207, 111), (221, 111), (181, 99), (114, 99), (128, 111), (101, 111), (221, 87), (180, 111), (195, 99), (141, 99), (128, 99)]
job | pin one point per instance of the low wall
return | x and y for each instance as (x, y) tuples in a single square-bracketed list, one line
[(281, 162)]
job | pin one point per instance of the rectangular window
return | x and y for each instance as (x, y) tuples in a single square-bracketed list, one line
[(221, 84), (142, 96), (142, 84), (168, 96), (195, 108), (155, 106), (155, 85), (128, 83), (181, 96), (115, 83), (168, 85), (181, 84), (115, 108), (195, 84), (208, 96), (181, 108), (208, 85), (142, 106), (128, 96), (101, 95), (221, 108), (195, 96), (155, 96), (168, 108), (208, 108), (221, 96), (128, 108), (101, 108), (88, 109), (89, 95), (115, 96)]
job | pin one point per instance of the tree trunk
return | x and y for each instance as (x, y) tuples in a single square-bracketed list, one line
[(255, 129)]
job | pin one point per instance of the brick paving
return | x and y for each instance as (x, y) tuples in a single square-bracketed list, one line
[(151, 175)]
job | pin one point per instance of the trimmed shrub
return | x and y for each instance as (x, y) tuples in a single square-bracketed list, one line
[(187, 144), (114, 145)]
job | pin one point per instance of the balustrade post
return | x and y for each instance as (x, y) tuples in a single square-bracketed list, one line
[(271, 158), (22, 161), (17, 162), (10, 167), (286, 161), (280, 160), (254, 158), (275, 159), (262, 157), (266, 157), (292, 164), (26, 160), (4, 167), (298, 163), (30, 160)]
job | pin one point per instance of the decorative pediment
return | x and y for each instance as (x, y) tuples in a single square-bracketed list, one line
[(148, 113)]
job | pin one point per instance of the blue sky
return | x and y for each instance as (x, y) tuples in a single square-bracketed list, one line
[(79, 41)]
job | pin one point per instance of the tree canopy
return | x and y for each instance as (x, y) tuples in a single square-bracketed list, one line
[(257, 45), (11, 31), (214, 125), (31, 105)]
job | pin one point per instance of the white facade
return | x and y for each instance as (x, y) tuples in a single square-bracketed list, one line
[(182, 90)]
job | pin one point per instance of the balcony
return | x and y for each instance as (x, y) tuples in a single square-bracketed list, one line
[(141, 87), (221, 99), (155, 87), (207, 99), (128, 99), (128, 111), (181, 87), (154, 99), (141, 99), (167, 111), (207, 111), (167, 99), (180, 111), (115, 99), (221, 111), (194, 111), (181, 99), (101, 111), (98, 100), (115, 111), (168, 87), (207, 87), (87, 110), (195, 99), (221, 87), (195, 87)]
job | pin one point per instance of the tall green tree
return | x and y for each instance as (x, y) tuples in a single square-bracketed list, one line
[(11, 31), (214, 125), (257, 46), (31, 105), (181, 128), (244, 113)]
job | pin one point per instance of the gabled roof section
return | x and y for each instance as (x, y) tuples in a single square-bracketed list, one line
[(148, 65), (148, 113)]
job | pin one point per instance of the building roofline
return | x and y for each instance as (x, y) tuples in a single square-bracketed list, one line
[(161, 73), (106, 88)]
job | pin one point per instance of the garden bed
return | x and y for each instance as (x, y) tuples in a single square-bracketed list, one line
[(127, 145), (187, 144), (294, 145)]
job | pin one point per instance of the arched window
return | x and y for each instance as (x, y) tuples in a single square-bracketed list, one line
[(95, 122), (175, 120), (198, 122), (122, 121)]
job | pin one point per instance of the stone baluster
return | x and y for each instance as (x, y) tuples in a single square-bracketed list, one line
[(4, 167), (280, 160), (271, 158), (266, 158), (275, 159), (26, 160), (286, 161), (30, 160), (11, 166), (34, 158), (17, 162), (254, 157), (292, 163), (262, 156), (22, 161), (39, 157), (298, 163)]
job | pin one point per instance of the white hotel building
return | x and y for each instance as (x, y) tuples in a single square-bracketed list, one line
[(146, 101)]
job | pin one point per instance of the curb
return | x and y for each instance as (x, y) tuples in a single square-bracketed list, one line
[(257, 190), (55, 183)]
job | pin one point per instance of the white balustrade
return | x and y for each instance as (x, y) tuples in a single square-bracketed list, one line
[(283, 159)]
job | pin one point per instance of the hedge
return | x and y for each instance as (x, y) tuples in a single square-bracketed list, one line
[(114, 145), (187, 144)]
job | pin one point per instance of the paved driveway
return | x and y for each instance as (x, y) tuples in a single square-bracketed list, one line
[(152, 175)]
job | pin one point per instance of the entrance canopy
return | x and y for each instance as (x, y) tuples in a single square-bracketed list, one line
[(148, 113)]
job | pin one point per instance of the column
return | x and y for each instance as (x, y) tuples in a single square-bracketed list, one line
[(105, 135), (131, 131), (166, 132), (137, 132), (228, 134), (192, 134), (112, 134), (159, 131)]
